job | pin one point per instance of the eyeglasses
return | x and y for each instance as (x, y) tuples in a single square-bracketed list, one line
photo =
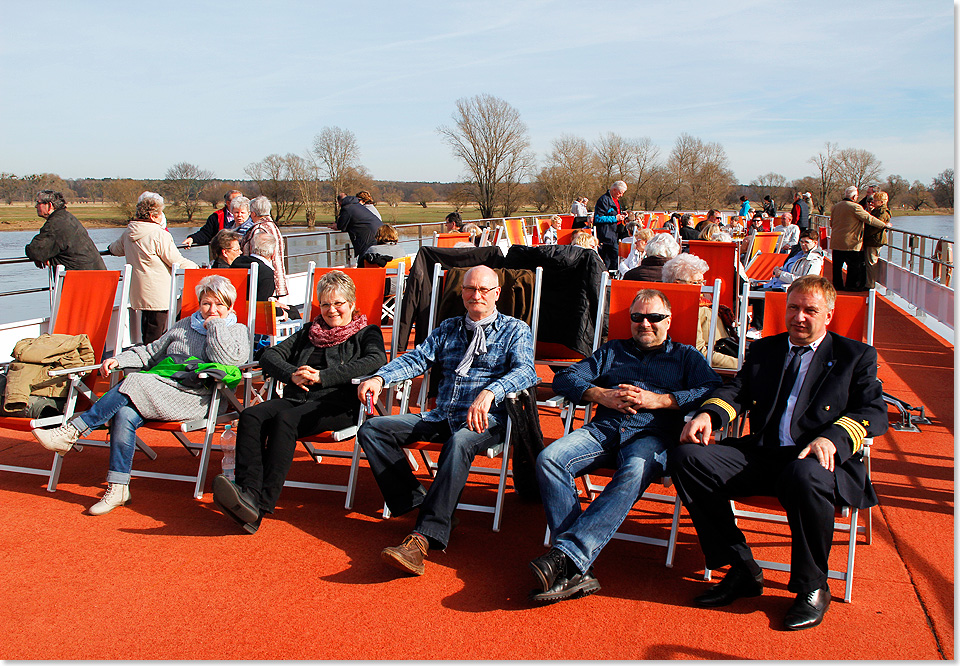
[(483, 291), (652, 317), (700, 281), (335, 304)]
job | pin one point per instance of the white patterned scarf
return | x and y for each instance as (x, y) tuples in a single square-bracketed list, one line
[(478, 345)]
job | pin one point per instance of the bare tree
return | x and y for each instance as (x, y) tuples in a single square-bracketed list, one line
[(303, 174), (184, 184), (943, 189), (424, 195), (568, 173), (643, 155), (858, 167), (124, 192), (826, 164), (896, 187), (700, 171), (336, 153), (775, 185), (491, 140), (917, 196), (459, 197), (658, 188), (273, 177), (613, 159)]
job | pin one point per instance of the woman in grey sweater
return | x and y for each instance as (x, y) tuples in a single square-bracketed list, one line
[(211, 335), (316, 366)]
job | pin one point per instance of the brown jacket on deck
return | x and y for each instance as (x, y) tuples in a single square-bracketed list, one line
[(847, 220), (34, 357)]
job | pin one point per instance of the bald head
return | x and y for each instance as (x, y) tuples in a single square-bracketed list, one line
[(481, 289)]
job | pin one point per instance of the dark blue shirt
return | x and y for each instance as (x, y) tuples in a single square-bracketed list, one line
[(677, 368)]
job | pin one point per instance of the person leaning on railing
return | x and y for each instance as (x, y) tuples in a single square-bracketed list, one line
[(875, 237), (210, 335), (316, 365)]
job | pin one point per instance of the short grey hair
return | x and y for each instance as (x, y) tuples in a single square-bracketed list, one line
[(260, 206), (684, 266), (264, 244), (850, 192), (619, 185), (219, 287), (662, 245), (151, 195), (52, 197), (239, 202)]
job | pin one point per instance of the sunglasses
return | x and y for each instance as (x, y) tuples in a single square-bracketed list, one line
[(652, 317)]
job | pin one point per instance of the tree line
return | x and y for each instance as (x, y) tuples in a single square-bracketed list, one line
[(502, 175)]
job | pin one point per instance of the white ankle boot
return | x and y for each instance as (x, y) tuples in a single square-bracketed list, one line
[(59, 440), (117, 494)]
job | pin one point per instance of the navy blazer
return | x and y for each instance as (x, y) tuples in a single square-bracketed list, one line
[(840, 399)]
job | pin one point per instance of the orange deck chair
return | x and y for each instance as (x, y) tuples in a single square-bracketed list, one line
[(245, 283), (853, 317), (450, 239), (83, 303)]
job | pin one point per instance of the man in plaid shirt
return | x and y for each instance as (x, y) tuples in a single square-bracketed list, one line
[(482, 357)]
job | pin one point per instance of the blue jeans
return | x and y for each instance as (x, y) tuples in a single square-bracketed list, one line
[(581, 535), (123, 432), (382, 440)]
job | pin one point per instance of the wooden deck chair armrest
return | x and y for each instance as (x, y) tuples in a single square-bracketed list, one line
[(79, 370)]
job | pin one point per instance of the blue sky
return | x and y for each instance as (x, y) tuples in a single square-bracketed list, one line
[(121, 89)]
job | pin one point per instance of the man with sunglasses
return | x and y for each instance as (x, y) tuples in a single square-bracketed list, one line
[(482, 357), (641, 387)]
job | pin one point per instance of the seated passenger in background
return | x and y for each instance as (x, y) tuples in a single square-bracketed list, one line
[(211, 335), (689, 269), (263, 223), (316, 366), (790, 231), (225, 247), (642, 387), (550, 235), (453, 222), (474, 231), (585, 239), (482, 356), (641, 237), (659, 250)]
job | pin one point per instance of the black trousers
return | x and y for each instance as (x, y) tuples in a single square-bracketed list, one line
[(267, 438), (856, 270), (153, 324), (708, 477)]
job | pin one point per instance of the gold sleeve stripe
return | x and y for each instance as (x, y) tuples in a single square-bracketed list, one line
[(856, 431), (725, 406)]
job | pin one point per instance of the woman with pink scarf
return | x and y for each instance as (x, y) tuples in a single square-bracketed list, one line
[(316, 366)]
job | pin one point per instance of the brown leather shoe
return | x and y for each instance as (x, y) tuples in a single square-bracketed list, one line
[(409, 555)]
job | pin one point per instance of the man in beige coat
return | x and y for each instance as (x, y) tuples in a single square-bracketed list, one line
[(847, 220), (151, 252)]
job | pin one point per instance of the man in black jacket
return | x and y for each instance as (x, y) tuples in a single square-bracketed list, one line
[(359, 223), (219, 219), (813, 398), (62, 240)]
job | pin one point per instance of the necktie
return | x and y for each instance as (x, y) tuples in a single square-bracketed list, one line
[(771, 437)]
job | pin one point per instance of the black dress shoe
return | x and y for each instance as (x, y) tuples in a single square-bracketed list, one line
[(808, 610), (738, 582), (573, 587), (235, 503), (548, 567)]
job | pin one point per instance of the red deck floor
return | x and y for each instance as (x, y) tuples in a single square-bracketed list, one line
[(170, 578)]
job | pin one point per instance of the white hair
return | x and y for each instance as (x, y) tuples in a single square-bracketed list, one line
[(264, 244), (684, 265), (619, 185), (239, 202), (260, 206), (850, 192), (662, 245), (150, 195)]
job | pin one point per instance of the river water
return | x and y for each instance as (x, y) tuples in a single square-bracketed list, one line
[(27, 276)]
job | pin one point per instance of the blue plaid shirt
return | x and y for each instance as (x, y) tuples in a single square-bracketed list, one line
[(678, 369), (506, 367)]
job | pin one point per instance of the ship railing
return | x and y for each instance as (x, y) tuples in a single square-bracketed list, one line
[(916, 267)]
